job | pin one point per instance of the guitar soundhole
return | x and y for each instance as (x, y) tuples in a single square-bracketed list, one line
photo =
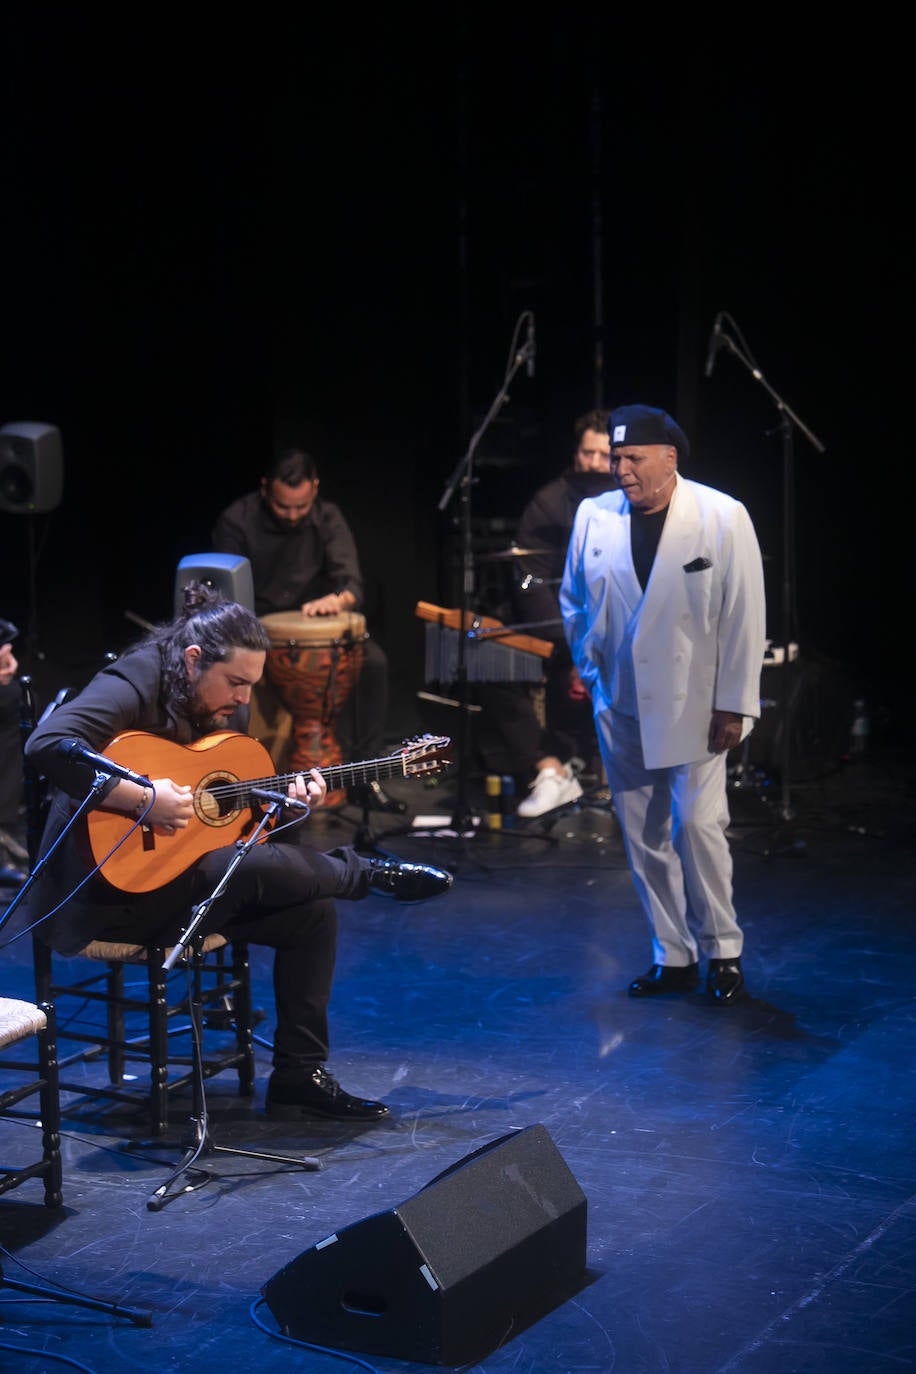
[(216, 799)]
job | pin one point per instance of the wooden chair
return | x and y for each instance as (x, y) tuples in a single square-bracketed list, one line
[(147, 1025), (32, 1073)]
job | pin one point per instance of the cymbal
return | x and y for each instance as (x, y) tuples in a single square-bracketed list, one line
[(513, 552)]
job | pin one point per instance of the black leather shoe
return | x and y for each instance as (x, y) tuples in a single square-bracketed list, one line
[(725, 981), (665, 978), (318, 1095), (372, 796), (407, 882)]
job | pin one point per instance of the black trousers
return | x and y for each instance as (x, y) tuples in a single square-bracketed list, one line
[(509, 724), (281, 896)]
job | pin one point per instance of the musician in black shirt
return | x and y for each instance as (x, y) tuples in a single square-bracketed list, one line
[(303, 557), (541, 755)]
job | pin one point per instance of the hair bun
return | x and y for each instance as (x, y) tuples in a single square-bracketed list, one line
[(200, 596)]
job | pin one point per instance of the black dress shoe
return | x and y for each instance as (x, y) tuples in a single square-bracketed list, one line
[(372, 796), (725, 982), (318, 1095), (407, 882), (665, 978)]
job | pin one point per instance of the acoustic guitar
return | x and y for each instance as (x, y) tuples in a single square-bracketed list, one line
[(222, 770)]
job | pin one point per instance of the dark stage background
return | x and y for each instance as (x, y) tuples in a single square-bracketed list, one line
[(217, 237)]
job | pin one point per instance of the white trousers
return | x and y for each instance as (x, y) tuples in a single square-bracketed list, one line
[(673, 822)]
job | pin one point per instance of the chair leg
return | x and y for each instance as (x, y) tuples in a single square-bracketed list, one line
[(49, 1098), (114, 983), (241, 1002), (158, 1042)]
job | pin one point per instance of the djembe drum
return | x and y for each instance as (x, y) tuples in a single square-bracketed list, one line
[(313, 665)]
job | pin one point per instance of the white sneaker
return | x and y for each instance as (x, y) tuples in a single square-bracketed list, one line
[(549, 790)]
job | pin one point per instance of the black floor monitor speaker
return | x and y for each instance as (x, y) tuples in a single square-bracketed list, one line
[(479, 1254), (229, 573), (31, 468)]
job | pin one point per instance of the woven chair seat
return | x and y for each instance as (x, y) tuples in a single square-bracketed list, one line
[(18, 1020), (35, 1073), (111, 951)]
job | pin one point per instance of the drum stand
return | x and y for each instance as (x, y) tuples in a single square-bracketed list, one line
[(363, 838)]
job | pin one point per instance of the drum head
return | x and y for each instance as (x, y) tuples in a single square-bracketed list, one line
[(292, 627)]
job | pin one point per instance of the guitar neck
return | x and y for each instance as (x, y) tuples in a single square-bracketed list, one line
[(345, 774)]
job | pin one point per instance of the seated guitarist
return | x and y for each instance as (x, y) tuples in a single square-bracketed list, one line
[(183, 682)]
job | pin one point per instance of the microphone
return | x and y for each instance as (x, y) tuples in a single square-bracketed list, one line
[(530, 347), (293, 803), (72, 749), (714, 342)]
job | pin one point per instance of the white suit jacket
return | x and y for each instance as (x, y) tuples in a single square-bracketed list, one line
[(700, 637)]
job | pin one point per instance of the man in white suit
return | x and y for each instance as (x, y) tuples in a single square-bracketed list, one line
[(663, 608)]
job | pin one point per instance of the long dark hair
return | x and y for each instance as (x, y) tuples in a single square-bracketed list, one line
[(218, 626)]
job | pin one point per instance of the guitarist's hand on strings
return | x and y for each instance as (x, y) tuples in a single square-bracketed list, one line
[(313, 789), (172, 809)]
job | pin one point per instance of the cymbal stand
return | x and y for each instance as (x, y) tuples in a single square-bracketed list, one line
[(788, 421), (198, 1142), (462, 480)]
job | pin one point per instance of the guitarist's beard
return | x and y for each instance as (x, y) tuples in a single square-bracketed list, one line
[(209, 724)]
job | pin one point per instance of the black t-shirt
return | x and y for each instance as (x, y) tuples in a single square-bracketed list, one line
[(645, 532), (290, 566)]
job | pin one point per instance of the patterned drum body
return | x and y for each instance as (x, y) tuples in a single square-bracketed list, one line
[(313, 665)]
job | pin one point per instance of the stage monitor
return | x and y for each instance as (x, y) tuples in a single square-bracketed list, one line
[(229, 573), (482, 1252), (31, 468)]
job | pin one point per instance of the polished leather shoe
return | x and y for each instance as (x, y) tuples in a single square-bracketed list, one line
[(373, 797), (665, 978), (318, 1094), (407, 882), (725, 981)]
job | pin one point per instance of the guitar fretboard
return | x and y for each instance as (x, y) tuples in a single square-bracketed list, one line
[(336, 776)]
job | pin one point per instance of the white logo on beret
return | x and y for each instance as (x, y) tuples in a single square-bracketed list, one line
[(620, 434)]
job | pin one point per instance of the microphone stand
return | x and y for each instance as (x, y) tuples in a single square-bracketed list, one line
[(463, 818), (788, 421), (185, 1178)]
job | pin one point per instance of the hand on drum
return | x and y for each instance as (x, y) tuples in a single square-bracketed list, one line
[(312, 790), (335, 603)]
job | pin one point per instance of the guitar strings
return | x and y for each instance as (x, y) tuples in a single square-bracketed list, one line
[(390, 766)]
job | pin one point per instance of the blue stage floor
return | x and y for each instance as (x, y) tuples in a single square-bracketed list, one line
[(750, 1174)]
